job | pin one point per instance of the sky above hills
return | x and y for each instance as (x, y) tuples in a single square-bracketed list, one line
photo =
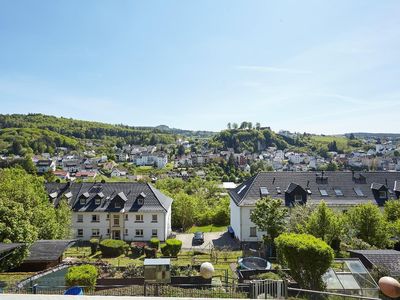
[(314, 66)]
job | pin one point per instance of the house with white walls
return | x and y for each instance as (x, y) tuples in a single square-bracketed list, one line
[(340, 190), (129, 211)]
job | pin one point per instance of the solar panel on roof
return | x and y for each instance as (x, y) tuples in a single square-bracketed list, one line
[(264, 191)]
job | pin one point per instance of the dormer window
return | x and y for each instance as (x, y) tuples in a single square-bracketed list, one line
[(382, 194), (83, 201), (97, 201), (140, 198), (117, 205)]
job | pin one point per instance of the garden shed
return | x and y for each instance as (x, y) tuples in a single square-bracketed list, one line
[(44, 254), (157, 270)]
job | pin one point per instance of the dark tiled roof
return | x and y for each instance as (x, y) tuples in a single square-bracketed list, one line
[(248, 192), (47, 250), (129, 192), (5, 247), (390, 259)]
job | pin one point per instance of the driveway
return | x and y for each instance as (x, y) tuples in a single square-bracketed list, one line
[(211, 239)]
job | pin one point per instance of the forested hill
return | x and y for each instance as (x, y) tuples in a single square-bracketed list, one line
[(257, 139), (37, 133)]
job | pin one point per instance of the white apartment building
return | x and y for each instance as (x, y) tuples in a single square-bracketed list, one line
[(128, 211)]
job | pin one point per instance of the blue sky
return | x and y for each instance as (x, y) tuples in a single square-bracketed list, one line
[(314, 66)]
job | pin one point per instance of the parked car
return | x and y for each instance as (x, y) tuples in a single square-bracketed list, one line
[(198, 238)]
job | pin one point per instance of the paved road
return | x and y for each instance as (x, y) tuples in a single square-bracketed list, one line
[(215, 239)]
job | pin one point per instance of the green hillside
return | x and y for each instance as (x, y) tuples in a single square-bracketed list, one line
[(21, 141)]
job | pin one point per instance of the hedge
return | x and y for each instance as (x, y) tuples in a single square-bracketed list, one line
[(171, 247), (307, 257), (154, 243), (137, 248), (150, 252), (94, 244), (84, 275), (113, 248)]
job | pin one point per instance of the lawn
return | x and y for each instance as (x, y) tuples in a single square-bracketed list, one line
[(12, 278), (341, 141), (207, 228)]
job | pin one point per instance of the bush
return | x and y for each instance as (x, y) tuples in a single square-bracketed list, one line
[(94, 244), (268, 275), (113, 248), (150, 252), (171, 247), (307, 257), (165, 250), (84, 275), (154, 243), (137, 249)]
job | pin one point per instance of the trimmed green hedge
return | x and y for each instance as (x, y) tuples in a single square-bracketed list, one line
[(94, 244), (84, 275), (171, 247), (154, 243), (307, 257), (150, 252), (113, 248)]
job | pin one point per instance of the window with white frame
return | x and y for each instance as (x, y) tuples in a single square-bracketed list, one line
[(139, 219), (154, 232), (80, 219), (97, 201), (253, 231), (96, 232), (139, 232), (126, 217), (79, 233), (116, 220), (154, 218), (83, 201), (95, 218)]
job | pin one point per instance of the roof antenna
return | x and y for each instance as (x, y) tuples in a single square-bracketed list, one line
[(273, 180), (308, 183), (386, 183)]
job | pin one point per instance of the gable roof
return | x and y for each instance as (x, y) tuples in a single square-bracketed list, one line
[(154, 200), (248, 193), (47, 250), (388, 258), (6, 247)]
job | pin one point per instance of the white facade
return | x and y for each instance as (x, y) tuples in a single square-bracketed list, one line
[(130, 226), (244, 229)]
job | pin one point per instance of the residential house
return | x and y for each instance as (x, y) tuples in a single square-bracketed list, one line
[(117, 173), (129, 211), (340, 190), (45, 165), (159, 159)]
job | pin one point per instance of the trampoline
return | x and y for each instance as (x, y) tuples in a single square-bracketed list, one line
[(254, 263)]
